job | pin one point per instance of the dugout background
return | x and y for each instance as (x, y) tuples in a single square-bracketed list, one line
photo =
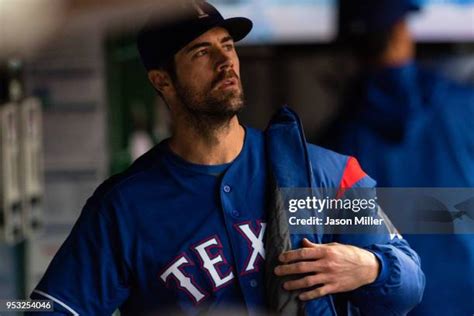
[(95, 96)]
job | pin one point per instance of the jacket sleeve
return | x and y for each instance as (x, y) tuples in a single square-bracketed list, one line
[(400, 284)]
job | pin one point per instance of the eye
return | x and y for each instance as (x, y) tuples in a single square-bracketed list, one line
[(229, 46), (200, 53)]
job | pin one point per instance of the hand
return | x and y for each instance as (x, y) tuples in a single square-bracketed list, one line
[(335, 267)]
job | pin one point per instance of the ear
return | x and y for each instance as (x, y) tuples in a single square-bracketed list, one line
[(160, 80)]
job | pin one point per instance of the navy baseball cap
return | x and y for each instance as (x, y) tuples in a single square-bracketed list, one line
[(360, 17), (158, 42)]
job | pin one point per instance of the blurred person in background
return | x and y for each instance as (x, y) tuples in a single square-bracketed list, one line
[(409, 127)]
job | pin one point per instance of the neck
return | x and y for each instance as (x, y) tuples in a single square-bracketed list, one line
[(219, 145)]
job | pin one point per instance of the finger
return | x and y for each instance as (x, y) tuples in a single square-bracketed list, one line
[(307, 243), (316, 293), (298, 268), (311, 253), (303, 283)]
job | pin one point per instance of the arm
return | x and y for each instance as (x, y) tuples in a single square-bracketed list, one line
[(87, 276), (385, 280), (400, 284), (379, 272)]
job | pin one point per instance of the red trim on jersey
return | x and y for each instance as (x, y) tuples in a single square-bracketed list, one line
[(353, 173)]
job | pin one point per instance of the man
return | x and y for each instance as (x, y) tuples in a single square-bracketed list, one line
[(410, 128), (182, 230)]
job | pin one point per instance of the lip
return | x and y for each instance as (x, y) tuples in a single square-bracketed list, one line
[(226, 83)]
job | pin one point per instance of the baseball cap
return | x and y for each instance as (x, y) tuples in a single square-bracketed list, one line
[(157, 43), (359, 17)]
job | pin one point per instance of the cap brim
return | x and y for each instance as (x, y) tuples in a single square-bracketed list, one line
[(238, 27)]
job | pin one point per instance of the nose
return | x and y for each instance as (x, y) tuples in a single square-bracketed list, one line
[(223, 60)]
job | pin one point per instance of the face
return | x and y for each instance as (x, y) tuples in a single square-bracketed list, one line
[(207, 79)]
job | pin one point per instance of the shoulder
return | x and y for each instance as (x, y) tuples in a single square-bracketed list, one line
[(126, 178), (326, 158), (254, 145), (451, 102), (332, 169), (437, 87), (254, 136)]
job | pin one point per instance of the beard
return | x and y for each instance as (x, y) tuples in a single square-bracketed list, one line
[(211, 109)]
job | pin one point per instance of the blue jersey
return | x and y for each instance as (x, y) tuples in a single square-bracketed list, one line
[(167, 235), (414, 128), (171, 236)]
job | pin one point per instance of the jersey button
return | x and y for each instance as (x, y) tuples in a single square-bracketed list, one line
[(235, 213), (253, 283), (227, 188)]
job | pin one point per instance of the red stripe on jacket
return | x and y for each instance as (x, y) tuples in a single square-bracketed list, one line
[(353, 173)]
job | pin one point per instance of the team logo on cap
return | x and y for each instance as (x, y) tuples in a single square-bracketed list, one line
[(200, 11)]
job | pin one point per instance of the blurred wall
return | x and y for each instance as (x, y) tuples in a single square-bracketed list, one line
[(308, 78), (68, 76)]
